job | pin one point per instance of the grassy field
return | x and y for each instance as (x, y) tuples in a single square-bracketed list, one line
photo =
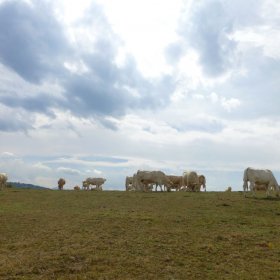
[(48, 234)]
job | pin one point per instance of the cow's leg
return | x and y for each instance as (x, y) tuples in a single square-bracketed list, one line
[(253, 188), (245, 187), (269, 186), (277, 190)]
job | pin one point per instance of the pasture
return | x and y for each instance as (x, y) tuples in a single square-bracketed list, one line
[(48, 234)]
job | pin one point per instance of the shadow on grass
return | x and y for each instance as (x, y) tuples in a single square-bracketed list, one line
[(223, 204), (273, 198), (269, 198)]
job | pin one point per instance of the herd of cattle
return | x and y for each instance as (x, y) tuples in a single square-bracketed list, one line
[(148, 181), (259, 179), (151, 180), (97, 182)]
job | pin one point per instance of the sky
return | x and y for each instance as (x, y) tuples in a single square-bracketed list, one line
[(103, 88)]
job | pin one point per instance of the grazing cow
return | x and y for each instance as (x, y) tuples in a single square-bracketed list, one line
[(228, 189), (3, 180), (146, 179), (259, 177), (190, 181), (136, 184), (61, 182), (128, 183), (202, 182), (98, 182), (77, 188), (176, 182)]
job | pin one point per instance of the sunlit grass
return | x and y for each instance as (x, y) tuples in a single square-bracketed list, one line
[(120, 235)]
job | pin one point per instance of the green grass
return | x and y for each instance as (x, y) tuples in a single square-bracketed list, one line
[(118, 235)]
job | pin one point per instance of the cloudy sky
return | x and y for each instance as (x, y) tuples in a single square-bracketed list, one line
[(102, 88)]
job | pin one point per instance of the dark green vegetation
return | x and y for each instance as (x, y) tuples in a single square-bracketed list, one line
[(118, 235), (24, 186)]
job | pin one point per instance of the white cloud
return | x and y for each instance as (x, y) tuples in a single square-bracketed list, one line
[(230, 104), (265, 37), (68, 171), (146, 28), (214, 97), (7, 155), (96, 103), (41, 166)]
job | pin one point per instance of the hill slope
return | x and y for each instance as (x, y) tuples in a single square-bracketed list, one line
[(25, 186)]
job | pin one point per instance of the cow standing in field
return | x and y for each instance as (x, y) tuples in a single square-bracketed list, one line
[(145, 179), (176, 182), (61, 182), (136, 184), (259, 177), (190, 181), (3, 180), (202, 182), (98, 182), (228, 190), (129, 183)]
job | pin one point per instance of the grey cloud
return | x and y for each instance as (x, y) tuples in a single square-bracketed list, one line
[(14, 123), (244, 13), (109, 124), (104, 159), (87, 96), (207, 28), (40, 103), (101, 95), (174, 52), (207, 31), (33, 44), (31, 40), (257, 90), (214, 126)]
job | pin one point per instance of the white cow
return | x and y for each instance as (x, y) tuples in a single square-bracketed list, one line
[(228, 190), (202, 182), (259, 177), (176, 182), (129, 183), (98, 182), (190, 181), (136, 184), (3, 180), (145, 179)]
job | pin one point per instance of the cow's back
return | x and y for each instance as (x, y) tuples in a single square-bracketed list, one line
[(259, 176), (94, 181)]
